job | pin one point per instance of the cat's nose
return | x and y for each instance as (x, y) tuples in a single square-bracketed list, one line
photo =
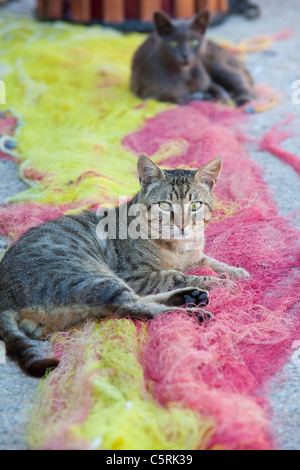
[(185, 56)]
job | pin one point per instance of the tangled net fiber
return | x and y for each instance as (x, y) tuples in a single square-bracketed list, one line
[(171, 383)]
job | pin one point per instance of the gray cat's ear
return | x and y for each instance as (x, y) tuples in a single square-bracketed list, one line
[(201, 21), (163, 22), (210, 172), (148, 171)]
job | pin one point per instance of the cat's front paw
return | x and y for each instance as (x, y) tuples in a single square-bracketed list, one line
[(208, 283), (235, 273), (224, 97), (240, 273), (205, 316), (241, 100), (196, 297), (201, 314)]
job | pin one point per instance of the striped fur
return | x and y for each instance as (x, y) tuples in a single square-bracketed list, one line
[(61, 273)]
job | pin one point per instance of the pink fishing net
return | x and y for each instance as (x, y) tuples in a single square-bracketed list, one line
[(271, 142)]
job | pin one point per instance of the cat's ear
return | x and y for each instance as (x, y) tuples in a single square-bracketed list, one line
[(163, 23), (210, 172), (200, 22), (148, 171)]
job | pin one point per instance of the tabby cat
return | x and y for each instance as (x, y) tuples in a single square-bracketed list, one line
[(177, 63), (70, 270)]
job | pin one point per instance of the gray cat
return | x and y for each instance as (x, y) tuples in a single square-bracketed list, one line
[(177, 63), (70, 270)]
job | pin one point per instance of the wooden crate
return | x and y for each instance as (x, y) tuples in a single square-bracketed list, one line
[(120, 11)]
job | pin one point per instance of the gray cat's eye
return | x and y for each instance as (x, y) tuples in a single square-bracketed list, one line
[(195, 206), (173, 43), (165, 206), (194, 42)]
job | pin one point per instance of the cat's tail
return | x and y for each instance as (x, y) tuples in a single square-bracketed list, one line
[(20, 348)]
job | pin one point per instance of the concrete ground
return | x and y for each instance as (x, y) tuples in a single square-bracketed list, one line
[(278, 66)]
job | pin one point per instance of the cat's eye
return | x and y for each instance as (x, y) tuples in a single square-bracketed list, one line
[(194, 42), (165, 206), (195, 206), (173, 43)]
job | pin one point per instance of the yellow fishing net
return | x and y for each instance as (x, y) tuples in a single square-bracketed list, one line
[(99, 399), (70, 87)]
